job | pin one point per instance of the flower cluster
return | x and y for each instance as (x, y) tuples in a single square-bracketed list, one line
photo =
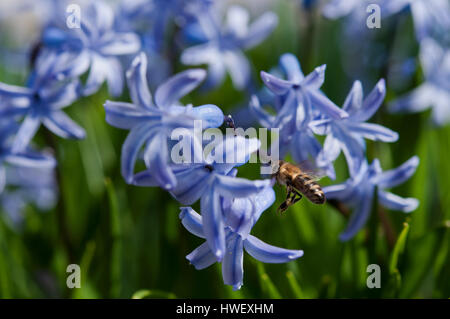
[(302, 111)]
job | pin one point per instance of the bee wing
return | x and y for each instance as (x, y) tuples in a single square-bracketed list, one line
[(309, 168)]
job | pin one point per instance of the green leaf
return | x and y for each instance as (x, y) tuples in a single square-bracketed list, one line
[(146, 293)]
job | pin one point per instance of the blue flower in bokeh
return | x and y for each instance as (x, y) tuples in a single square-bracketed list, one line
[(213, 180), (241, 214), (223, 50), (431, 18), (435, 91), (358, 192), (151, 124), (42, 100), (299, 101), (348, 134), (97, 44), (27, 185), (23, 176)]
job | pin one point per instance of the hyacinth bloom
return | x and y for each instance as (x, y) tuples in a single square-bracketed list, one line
[(18, 169), (213, 181), (42, 101), (358, 192), (151, 123), (27, 185), (222, 51), (241, 214), (301, 103), (98, 46), (435, 91), (348, 134)]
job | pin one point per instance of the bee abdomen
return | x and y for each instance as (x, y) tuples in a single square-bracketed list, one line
[(310, 189)]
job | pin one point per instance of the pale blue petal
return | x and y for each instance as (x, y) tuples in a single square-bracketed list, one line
[(132, 145), (394, 202), (121, 44), (398, 175), (125, 115), (260, 29), (238, 67), (268, 253), (354, 100), (178, 86), (324, 104), (211, 115), (213, 226), (232, 264), (291, 67), (276, 85), (371, 103), (137, 82), (60, 124), (26, 133), (360, 213), (192, 221), (264, 118), (238, 187), (372, 131), (315, 79), (201, 257)]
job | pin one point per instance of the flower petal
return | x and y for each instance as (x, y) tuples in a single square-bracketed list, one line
[(121, 44), (372, 131), (60, 124), (137, 82), (156, 157), (264, 118), (276, 85), (417, 100), (354, 100), (238, 67), (360, 214), (178, 86), (315, 79), (395, 202), (192, 221), (268, 253), (125, 115), (201, 257), (26, 133), (398, 175), (211, 115), (213, 226), (232, 264), (371, 103), (291, 67), (132, 145), (260, 29), (324, 104), (238, 187)]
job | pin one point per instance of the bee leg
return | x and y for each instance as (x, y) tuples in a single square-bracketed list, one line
[(285, 205), (296, 196)]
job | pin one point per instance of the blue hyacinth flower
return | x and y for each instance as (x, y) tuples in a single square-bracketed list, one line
[(151, 123), (222, 51), (97, 44), (241, 214), (212, 181), (358, 192), (42, 101), (299, 101), (348, 134), (435, 91), (25, 177)]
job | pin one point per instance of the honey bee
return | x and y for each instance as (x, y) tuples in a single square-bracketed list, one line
[(297, 182)]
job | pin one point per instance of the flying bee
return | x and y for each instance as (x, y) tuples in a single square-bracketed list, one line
[(297, 182)]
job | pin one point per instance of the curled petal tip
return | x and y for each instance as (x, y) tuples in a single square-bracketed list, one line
[(296, 255)]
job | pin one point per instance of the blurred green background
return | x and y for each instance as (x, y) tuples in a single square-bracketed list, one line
[(128, 239)]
